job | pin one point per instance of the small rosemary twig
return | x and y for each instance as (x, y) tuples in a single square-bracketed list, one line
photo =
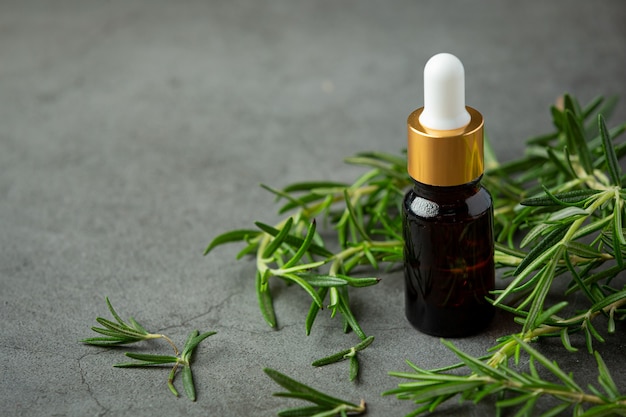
[(121, 333)]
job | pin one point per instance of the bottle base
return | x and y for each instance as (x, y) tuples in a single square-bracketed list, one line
[(450, 322)]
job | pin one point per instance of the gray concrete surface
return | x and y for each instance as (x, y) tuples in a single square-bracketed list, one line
[(133, 132)]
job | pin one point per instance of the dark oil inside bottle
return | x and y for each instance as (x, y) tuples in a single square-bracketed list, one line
[(449, 266)]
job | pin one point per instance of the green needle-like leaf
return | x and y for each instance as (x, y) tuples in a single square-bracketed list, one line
[(347, 354), (113, 312), (188, 385), (266, 303), (232, 236), (335, 357), (605, 379), (194, 340), (344, 308), (313, 310), (311, 185), (569, 198), (354, 367), (618, 235), (305, 285), (551, 366), (310, 234), (359, 282), (278, 239), (364, 343), (578, 141), (354, 217), (566, 340), (297, 388), (325, 405), (152, 359), (294, 240), (612, 163), (537, 255), (321, 280)]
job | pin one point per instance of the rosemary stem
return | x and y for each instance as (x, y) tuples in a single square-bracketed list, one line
[(308, 212), (170, 380), (164, 337), (168, 340), (340, 257)]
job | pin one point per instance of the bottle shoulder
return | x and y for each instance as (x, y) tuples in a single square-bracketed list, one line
[(468, 201)]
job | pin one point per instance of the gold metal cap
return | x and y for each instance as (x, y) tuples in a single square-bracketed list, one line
[(445, 157)]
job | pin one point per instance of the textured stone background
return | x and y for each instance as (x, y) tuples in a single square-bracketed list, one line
[(133, 132)]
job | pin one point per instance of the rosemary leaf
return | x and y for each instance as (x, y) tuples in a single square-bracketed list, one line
[(579, 143), (609, 152), (354, 367), (266, 303), (152, 359), (232, 236), (278, 239), (188, 385), (296, 388), (294, 241), (314, 309)]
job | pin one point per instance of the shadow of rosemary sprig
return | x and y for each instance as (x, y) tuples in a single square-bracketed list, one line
[(122, 333), (347, 354), (513, 388), (366, 219), (325, 405)]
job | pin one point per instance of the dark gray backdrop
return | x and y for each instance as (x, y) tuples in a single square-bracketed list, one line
[(133, 132)]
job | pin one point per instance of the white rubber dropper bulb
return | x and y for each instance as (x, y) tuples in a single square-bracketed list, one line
[(444, 94)]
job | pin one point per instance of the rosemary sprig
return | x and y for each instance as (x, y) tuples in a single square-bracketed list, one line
[(572, 214), (365, 216), (121, 333), (552, 325), (184, 361), (347, 354), (512, 388), (559, 213), (325, 405)]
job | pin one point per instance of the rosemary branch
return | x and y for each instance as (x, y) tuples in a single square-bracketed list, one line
[(122, 333), (559, 213), (513, 388), (365, 216)]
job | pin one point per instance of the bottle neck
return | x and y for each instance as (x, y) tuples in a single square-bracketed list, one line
[(453, 192), (445, 158)]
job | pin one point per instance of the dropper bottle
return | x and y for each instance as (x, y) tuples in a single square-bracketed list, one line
[(448, 215)]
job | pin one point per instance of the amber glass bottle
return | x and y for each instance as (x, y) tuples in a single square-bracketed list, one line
[(448, 215), (449, 267)]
